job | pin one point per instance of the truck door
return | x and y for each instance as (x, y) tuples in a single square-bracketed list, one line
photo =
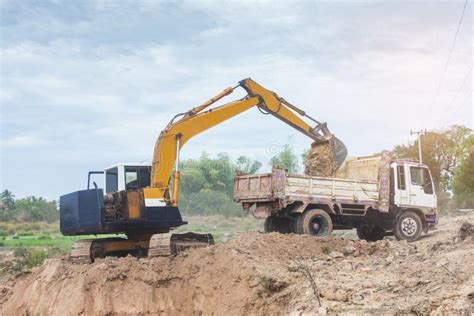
[(400, 194), (421, 187)]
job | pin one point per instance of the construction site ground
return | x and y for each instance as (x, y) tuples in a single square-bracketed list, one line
[(264, 274)]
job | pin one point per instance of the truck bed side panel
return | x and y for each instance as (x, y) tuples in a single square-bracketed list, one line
[(311, 188)]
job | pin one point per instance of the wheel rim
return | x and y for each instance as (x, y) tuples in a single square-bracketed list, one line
[(318, 225), (409, 226)]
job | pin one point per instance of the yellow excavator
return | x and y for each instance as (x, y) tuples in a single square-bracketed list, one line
[(142, 202)]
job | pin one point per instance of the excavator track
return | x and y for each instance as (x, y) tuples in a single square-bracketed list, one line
[(87, 250), (160, 245), (81, 251), (184, 241)]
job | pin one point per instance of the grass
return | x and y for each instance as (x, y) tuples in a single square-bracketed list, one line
[(220, 227), (62, 242), (32, 243), (46, 235)]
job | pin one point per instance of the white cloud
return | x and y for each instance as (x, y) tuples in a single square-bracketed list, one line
[(22, 141), (99, 89)]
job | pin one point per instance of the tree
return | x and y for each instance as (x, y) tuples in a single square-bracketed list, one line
[(286, 159), (208, 202), (439, 152), (247, 165), (207, 184), (27, 209), (8, 205), (8, 199), (463, 180), (33, 208)]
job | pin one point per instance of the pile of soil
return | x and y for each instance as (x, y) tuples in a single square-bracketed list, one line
[(466, 231), (258, 273), (320, 161)]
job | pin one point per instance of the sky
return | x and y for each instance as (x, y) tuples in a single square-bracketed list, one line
[(87, 84)]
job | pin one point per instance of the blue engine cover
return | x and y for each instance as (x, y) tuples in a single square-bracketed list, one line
[(81, 212)]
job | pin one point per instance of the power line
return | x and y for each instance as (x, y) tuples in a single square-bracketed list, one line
[(462, 102), (450, 53), (458, 93)]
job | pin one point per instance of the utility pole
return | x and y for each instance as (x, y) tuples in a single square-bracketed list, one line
[(419, 133)]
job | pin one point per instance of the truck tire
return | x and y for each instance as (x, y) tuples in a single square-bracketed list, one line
[(370, 233), (269, 224), (315, 223), (278, 224), (408, 226)]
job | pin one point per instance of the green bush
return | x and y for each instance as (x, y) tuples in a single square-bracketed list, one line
[(37, 257), (44, 237), (2, 244), (3, 233), (28, 258), (56, 251), (207, 201)]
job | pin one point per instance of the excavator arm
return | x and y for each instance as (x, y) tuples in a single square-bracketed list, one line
[(186, 125)]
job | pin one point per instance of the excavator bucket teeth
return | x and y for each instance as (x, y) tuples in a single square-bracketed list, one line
[(339, 151), (184, 241)]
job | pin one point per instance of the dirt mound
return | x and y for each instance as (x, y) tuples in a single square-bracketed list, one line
[(320, 161), (257, 273), (466, 230)]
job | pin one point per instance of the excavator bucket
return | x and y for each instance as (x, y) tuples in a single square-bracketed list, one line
[(325, 157), (339, 151)]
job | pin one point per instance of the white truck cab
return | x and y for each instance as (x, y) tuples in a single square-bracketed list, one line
[(413, 186)]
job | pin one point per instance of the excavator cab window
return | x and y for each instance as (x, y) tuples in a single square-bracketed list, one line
[(111, 179), (137, 177)]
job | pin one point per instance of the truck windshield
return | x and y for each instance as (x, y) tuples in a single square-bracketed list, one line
[(421, 176)]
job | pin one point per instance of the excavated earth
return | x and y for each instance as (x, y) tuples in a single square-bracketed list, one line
[(264, 274), (320, 161)]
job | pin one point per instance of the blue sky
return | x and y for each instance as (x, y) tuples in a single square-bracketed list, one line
[(86, 84)]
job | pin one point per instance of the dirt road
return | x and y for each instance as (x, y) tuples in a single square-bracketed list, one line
[(257, 273)]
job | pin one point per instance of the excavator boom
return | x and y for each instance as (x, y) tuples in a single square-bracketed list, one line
[(195, 121)]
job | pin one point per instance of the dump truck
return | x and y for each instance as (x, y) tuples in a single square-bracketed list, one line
[(141, 201), (377, 195)]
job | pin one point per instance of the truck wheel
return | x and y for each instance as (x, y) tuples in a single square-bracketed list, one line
[(277, 224), (269, 224), (370, 234), (408, 226), (315, 223)]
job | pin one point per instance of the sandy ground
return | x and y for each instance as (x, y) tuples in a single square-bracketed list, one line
[(267, 274)]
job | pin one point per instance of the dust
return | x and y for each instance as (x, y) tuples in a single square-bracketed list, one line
[(256, 273), (320, 161)]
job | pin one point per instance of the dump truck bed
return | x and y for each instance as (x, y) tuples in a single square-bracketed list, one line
[(287, 188)]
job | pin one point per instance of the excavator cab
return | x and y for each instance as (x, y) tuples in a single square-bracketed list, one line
[(123, 176)]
